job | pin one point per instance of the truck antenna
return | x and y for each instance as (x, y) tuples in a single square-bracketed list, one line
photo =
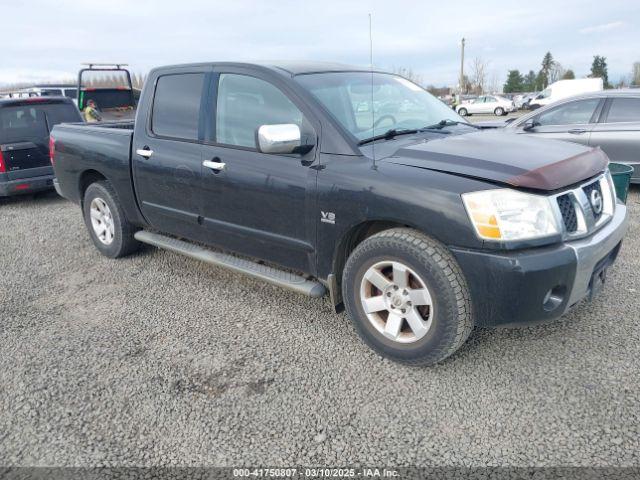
[(373, 113)]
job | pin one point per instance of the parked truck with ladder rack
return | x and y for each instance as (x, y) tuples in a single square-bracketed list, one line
[(110, 87)]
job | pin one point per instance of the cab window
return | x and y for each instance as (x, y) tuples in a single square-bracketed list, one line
[(176, 106)]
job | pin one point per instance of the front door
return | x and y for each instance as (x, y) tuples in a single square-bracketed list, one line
[(258, 204), (167, 155), (571, 121)]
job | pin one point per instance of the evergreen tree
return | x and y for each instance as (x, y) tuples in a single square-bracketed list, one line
[(514, 82), (541, 81), (529, 82), (545, 71), (599, 70)]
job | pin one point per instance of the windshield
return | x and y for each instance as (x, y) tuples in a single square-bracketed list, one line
[(369, 104)]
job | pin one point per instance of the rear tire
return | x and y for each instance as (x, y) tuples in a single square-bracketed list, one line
[(463, 112), (407, 324), (111, 232)]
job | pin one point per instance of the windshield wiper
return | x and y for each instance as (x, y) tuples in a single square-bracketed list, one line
[(447, 123), (394, 132), (389, 134)]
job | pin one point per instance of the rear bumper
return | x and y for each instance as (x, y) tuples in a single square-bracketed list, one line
[(541, 284), (26, 185)]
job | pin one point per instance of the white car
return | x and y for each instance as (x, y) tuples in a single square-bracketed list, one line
[(486, 104)]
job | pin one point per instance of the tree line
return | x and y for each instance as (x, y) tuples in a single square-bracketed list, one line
[(552, 71)]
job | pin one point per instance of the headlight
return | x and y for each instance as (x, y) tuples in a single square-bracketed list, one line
[(505, 214)]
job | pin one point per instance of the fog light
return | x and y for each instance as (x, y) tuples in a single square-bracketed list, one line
[(553, 298)]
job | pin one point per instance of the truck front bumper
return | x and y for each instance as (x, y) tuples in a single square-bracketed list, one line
[(26, 185), (540, 284)]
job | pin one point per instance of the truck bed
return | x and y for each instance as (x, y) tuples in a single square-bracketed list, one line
[(102, 147)]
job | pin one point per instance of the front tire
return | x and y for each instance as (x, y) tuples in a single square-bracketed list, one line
[(463, 112), (111, 232), (499, 111), (407, 297)]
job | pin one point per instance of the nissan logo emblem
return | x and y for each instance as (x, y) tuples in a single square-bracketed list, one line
[(596, 201)]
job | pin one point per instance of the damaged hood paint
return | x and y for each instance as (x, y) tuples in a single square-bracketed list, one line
[(515, 160)]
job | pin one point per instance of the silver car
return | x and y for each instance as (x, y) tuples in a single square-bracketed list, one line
[(609, 119)]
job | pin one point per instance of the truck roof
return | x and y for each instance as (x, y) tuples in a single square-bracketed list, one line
[(302, 67), (288, 68)]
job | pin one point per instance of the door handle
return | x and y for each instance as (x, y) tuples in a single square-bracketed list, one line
[(217, 166), (145, 152), (577, 131)]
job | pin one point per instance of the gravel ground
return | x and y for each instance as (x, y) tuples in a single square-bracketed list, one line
[(160, 360)]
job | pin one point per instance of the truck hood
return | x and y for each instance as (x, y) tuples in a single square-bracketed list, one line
[(504, 157)]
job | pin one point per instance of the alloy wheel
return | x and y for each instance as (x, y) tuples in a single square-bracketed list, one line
[(396, 301), (102, 220)]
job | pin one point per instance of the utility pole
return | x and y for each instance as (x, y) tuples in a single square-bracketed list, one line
[(462, 68)]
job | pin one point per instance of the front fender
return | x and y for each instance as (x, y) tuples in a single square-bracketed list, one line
[(356, 194)]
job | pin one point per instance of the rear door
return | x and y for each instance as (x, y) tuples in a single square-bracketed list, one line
[(259, 204), (618, 132), (571, 121), (166, 152)]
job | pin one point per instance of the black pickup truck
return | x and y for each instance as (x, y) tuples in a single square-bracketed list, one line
[(330, 178)]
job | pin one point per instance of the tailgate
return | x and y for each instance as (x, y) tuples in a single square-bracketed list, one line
[(23, 156)]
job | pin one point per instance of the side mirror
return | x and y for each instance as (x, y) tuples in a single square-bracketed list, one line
[(530, 125), (280, 138)]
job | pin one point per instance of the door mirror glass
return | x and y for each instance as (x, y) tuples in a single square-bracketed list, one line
[(279, 138), (530, 125)]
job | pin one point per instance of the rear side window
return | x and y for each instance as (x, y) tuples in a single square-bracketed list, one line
[(176, 106), (624, 110)]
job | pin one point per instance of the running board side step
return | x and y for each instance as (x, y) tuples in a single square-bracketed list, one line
[(272, 275)]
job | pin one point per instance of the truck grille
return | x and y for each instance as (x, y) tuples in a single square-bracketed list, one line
[(580, 213), (568, 212)]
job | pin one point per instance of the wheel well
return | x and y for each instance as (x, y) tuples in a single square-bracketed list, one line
[(354, 237), (87, 178)]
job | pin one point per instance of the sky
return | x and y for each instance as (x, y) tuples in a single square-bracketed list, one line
[(48, 40)]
